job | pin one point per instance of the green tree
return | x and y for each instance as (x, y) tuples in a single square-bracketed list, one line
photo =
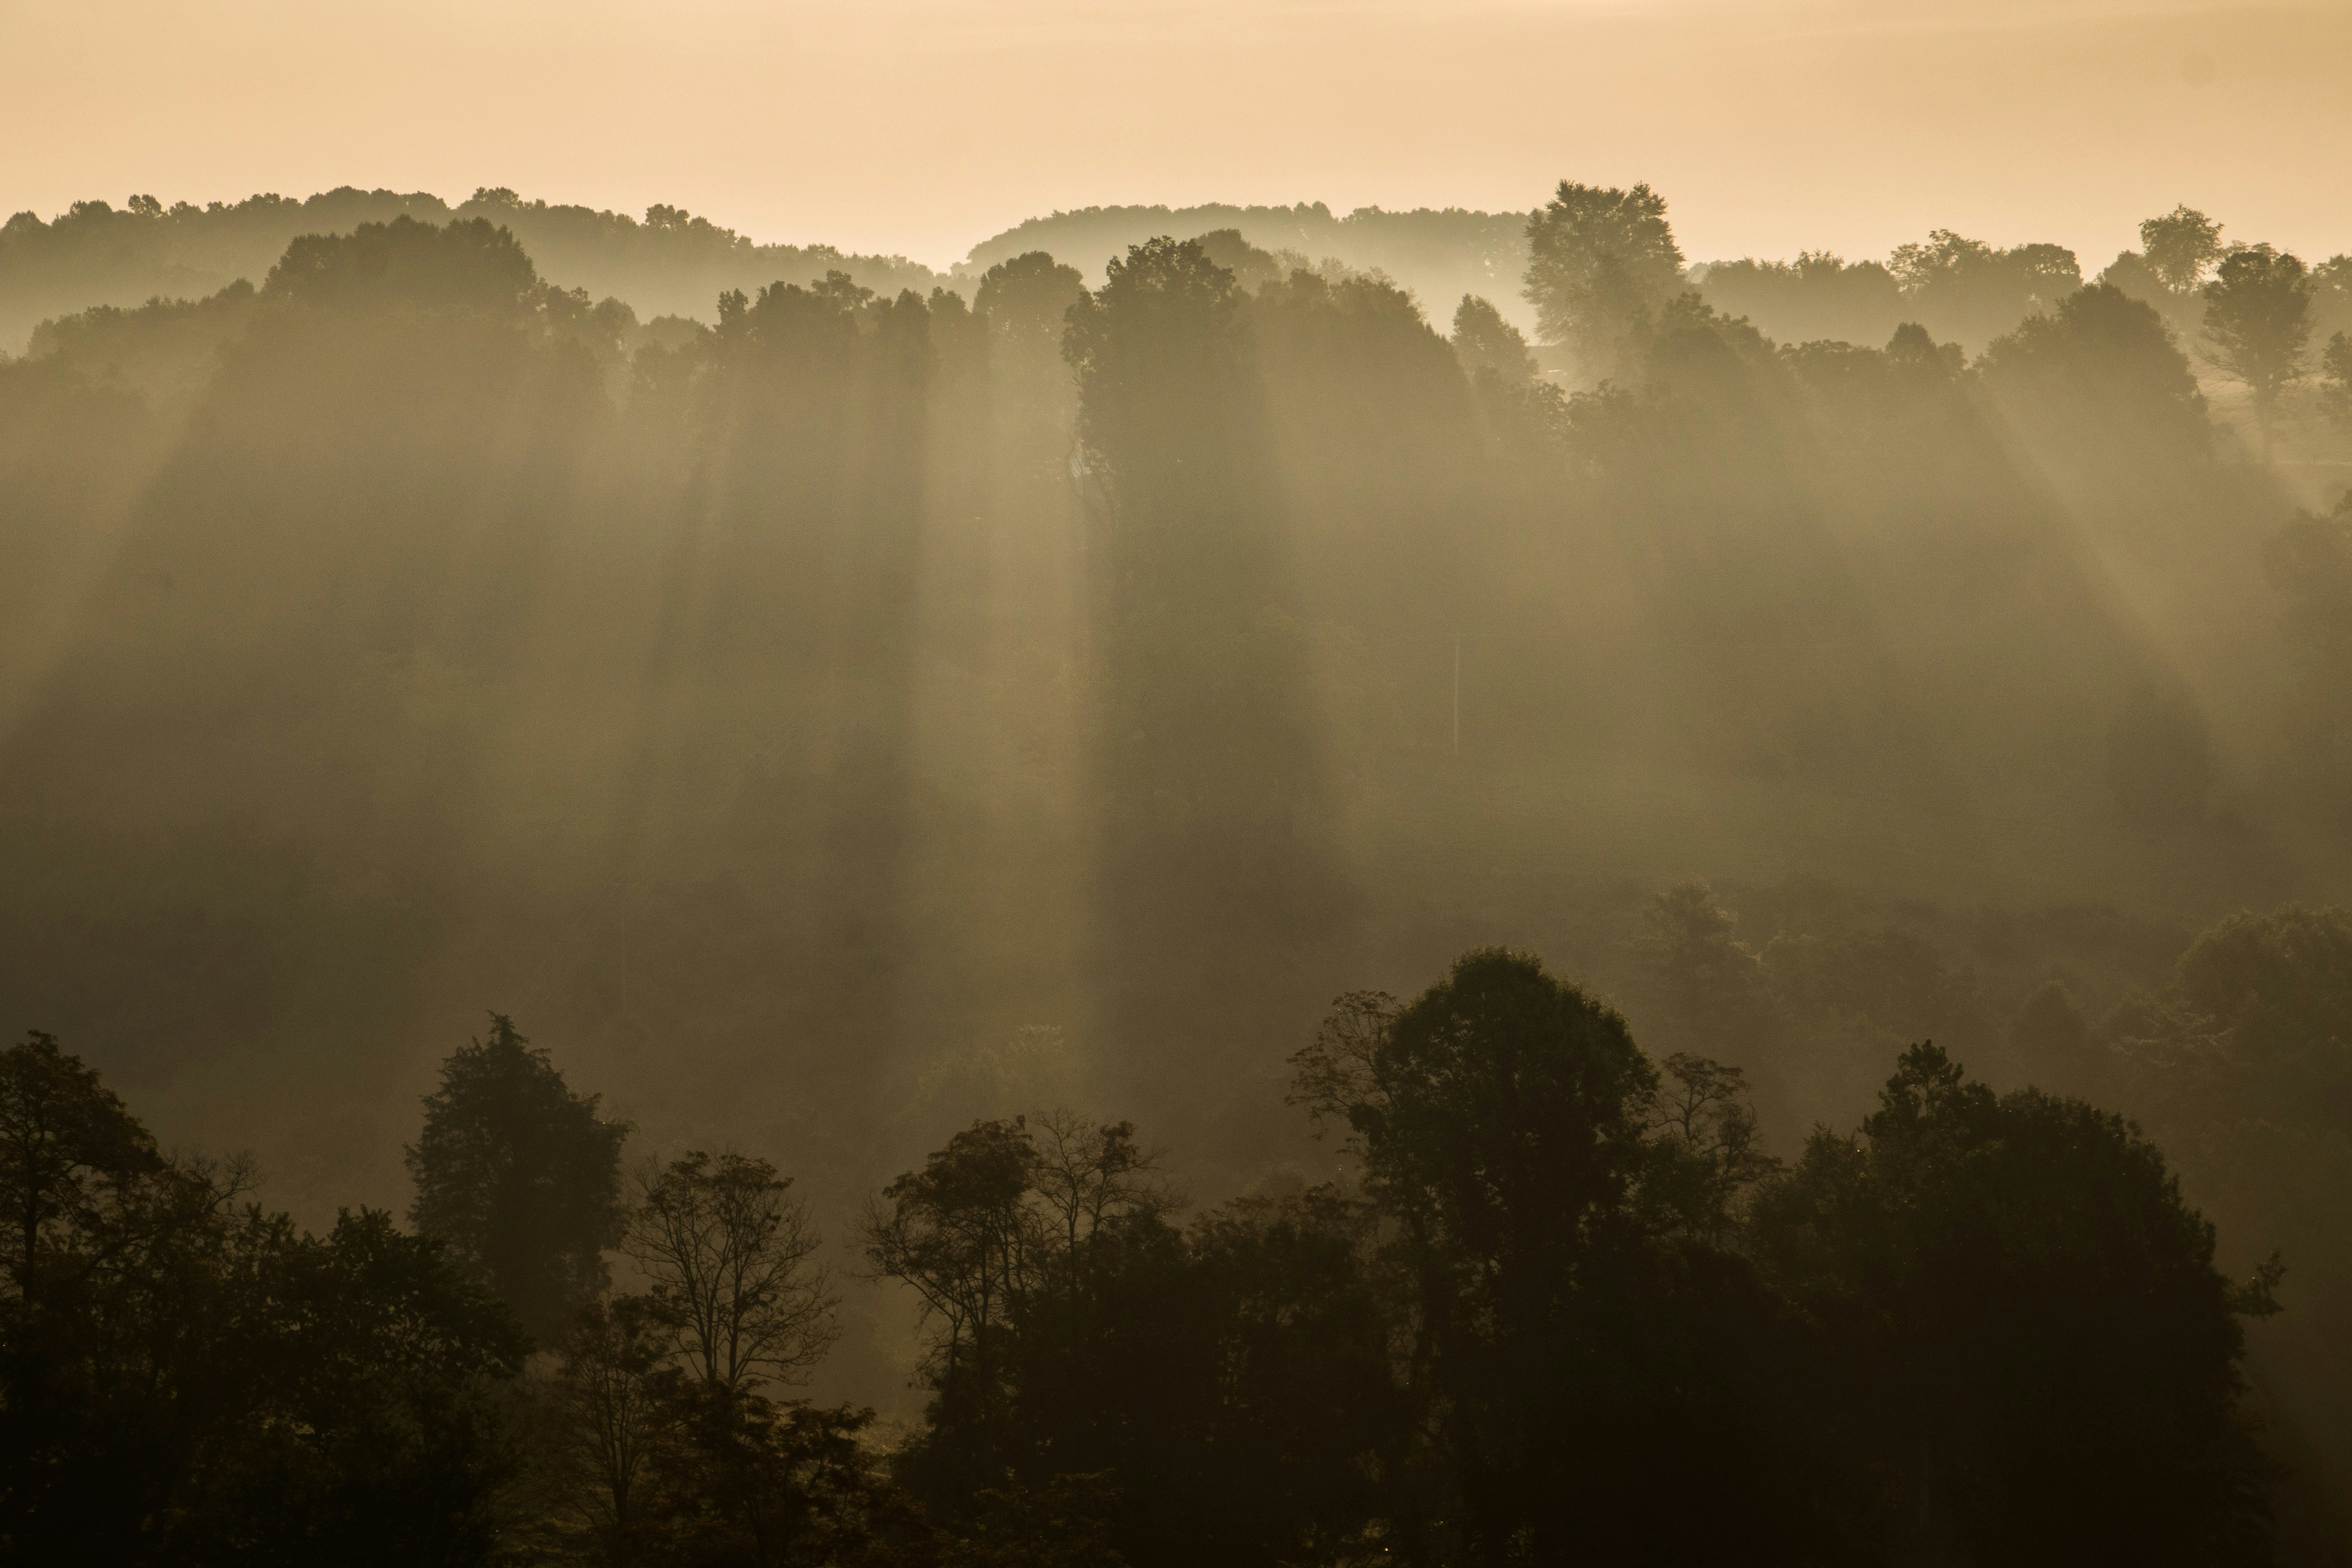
[(521, 1178), (2258, 319), (2037, 1359), (2180, 247), (1599, 260)]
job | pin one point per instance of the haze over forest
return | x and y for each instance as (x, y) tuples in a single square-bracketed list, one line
[(830, 705)]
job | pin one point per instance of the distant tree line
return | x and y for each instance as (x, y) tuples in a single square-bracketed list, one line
[(2253, 310)]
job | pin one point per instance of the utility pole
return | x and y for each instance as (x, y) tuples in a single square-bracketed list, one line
[(1457, 694)]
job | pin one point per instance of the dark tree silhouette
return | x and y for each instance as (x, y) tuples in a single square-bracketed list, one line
[(729, 1254), (2181, 247), (521, 1178), (2037, 1358), (1570, 1327), (2258, 319), (184, 1382), (1487, 342), (1599, 260)]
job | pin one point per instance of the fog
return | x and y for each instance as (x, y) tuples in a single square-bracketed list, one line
[(845, 625)]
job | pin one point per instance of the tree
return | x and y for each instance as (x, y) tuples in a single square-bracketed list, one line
[(367, 1424), (2335, 367), (960, 1232), (2258, 319), (2102, 373), (1701, 988), (665, 1447), (1569, 1328), (1701, 1118), (1599, 260), (1235, 1379), (1486, 342), (71, 1160), (1026, 303), (521, 1178), (470, 265), (2036, 1359), (611, 1417), (191, 1383), (2180, 246), (1974, 291), (727, 1252), (1028, 298), (1214, 867)]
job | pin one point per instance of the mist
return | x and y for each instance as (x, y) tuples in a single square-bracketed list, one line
[(1761, 713)]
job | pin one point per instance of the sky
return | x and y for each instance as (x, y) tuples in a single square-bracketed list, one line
[(920, 127)]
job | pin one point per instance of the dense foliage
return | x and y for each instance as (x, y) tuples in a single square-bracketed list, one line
[(1558, 1300)]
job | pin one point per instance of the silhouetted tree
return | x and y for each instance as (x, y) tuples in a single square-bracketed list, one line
[(1816, 296), (1967, 289), (611, 1415), (1599, 260), (1234, 1381), (73, 1161), (1027, 299), (1484, 341), (1567, 1326), (521, 1178), (185, 1382), (2102, 373), (728, 1253), (2036, 1357), (2180, 247), (2258, 319), (2335, 370)]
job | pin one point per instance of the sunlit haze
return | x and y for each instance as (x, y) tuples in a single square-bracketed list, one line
[(1175, 784)]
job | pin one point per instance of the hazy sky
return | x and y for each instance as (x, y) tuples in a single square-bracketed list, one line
[(922, 126)]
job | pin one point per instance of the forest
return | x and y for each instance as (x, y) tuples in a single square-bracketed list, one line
[(1230, 885)]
